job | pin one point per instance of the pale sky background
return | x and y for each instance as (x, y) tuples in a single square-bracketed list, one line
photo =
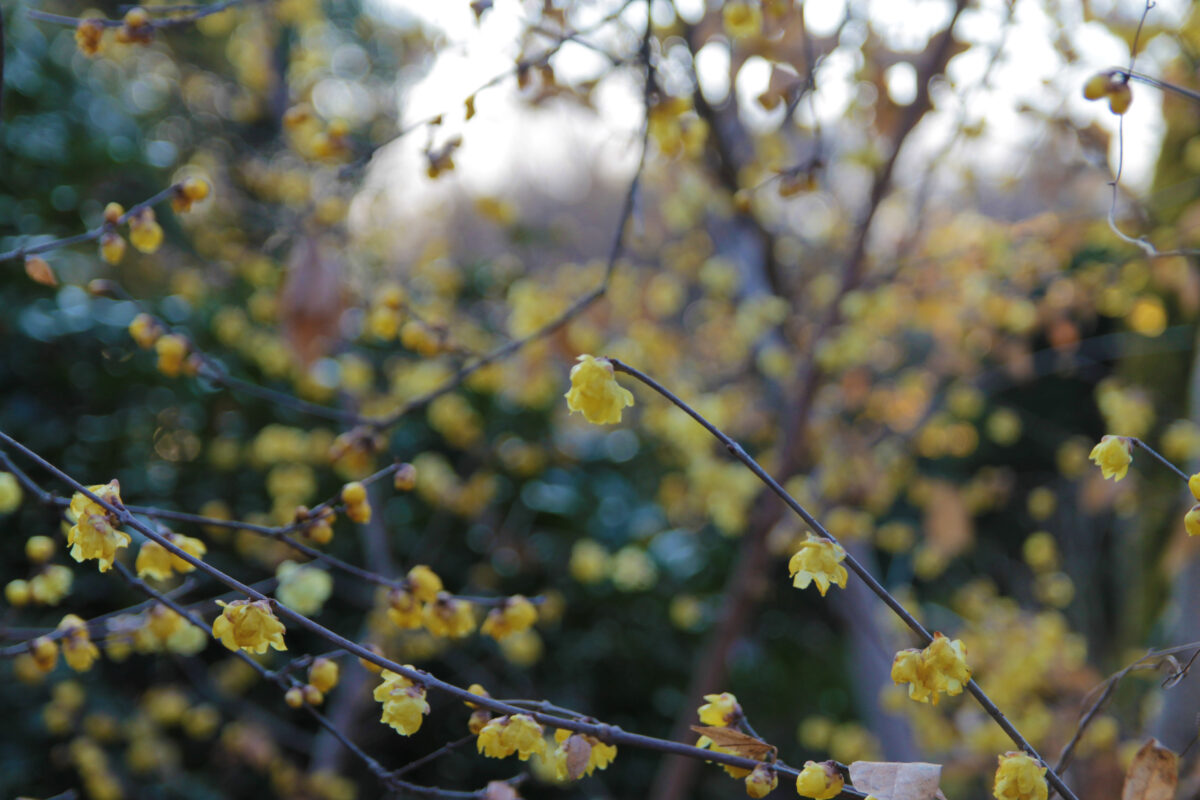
[(558, 146)]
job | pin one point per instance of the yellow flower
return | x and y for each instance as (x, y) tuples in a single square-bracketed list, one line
[(1191, 521), (88, 34), (819, 781), (1020, 777), (761, 782), (595, 392), (742, 19), (248, 625), (112, 247), (145, 330), (303, 588), (404, 704), (77, 647), (93, 535), (449, 616), (424, 583), (190, 191), (721, 710), (404, 609), (172, 349), (323, 674), (155, 561), (940, 667), (518, 733), (819, 560), (514, 615), (51, 585), (10, 493), (144, 231), (1113, 455)]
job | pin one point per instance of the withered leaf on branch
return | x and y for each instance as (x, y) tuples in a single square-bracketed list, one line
[(1153, 775), (312, 299), (499, 790), (578, 753), (897, 780), (736, 742)]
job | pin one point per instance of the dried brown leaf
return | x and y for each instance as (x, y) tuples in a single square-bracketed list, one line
[(897, 780), (578, 752), (736, 742), (499, 790), (311, 301), (1153, 775)]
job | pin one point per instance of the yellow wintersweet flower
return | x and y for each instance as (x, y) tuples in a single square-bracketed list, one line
[(1191, 520), (762, 781), (404, 704), (721, 710), (449, 616), (404, 609), (504, 736), (303, 588), (819, 781), (172, 350), (144, 231), (940, 667), (595, 392), (10, 493), (1113, 455), (77, 647), (248, 625), (1020, 777), (93, 535), (424, 583), (513, 615), (155, 561), (324, 674), (818, 560)]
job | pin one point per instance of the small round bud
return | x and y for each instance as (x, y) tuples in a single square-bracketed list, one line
[(39, 549), (1120, 98), (113, 212), (405, 479), (313, 696), (294, 697)]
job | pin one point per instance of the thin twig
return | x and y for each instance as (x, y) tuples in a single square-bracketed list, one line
[(737, 451), (606, 733)]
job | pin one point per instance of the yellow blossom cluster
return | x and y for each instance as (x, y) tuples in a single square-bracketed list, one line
[(420, 601), (516, 733), (514, 615), (93, 535), (77, 647), (155, 561), (358, 506), (940, 667)]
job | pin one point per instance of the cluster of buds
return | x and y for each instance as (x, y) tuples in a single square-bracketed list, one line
[(1113, 84)]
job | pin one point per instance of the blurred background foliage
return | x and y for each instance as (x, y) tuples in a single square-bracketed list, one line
[(905, 301)]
